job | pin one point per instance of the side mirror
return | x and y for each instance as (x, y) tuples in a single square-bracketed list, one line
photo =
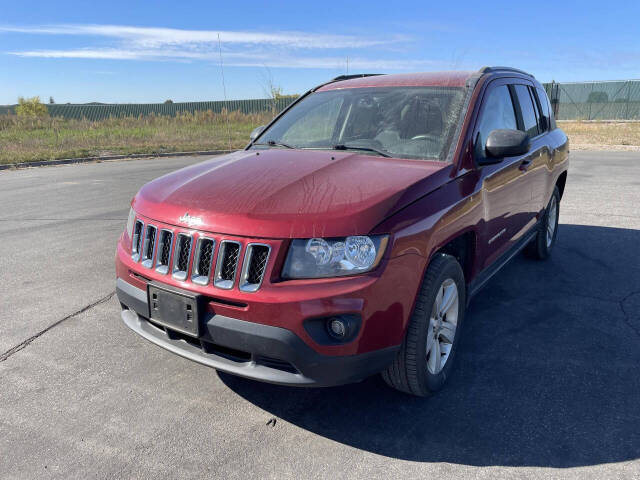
[(255, 133), (507, 143)]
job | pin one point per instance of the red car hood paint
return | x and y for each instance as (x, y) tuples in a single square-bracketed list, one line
[(280, 193)]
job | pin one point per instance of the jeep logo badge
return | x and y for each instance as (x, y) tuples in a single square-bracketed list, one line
[(191, 221)]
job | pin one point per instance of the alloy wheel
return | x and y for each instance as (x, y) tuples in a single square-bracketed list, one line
[(552, 220), (442, 326)]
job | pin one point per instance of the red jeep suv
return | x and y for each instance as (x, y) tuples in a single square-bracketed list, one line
[(347, 238)]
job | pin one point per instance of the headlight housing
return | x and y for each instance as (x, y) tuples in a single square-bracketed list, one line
[(130, 220), (333, 257)]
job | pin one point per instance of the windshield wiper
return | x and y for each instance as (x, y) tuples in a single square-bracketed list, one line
[(273, 143), (357, 147)]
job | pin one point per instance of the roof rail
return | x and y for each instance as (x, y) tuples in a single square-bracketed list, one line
[(340, 78), (503, 69)]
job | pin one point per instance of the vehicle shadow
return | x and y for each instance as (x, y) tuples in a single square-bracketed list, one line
[(547, 374)]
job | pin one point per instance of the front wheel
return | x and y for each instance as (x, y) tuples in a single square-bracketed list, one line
[(541, 246), (425, 359)]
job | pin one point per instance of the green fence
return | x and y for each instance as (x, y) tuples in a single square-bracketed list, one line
[(616, 100), (100, 112)]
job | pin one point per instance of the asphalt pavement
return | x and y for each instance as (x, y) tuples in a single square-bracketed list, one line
[(547, 382)]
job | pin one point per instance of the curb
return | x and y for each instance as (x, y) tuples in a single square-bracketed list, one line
[(68, 161)]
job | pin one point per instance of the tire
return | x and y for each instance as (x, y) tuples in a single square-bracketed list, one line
[(541, 246), (412, 370)]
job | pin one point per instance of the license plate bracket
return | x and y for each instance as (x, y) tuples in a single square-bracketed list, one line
[(174, 309)]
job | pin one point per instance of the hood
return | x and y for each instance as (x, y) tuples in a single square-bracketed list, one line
[(280, 193)]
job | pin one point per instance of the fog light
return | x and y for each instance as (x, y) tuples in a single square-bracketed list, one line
[(337, 328), (333, 330)]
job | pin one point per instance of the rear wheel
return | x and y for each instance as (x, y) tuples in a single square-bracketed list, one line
[(541, 246), (426, 356)]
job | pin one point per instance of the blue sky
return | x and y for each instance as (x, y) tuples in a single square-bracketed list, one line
[(148, 51)]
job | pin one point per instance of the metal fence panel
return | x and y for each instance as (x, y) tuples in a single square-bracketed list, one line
[(615, 100), (101, 112)]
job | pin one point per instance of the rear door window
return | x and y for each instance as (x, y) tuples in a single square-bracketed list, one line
[(546, 106), (529, 118), (542, 119), (543, 125), (497, 112)]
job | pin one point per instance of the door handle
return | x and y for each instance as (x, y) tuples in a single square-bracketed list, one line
[(525, 164)]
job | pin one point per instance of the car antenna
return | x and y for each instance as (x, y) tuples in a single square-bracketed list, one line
[(224, 93)]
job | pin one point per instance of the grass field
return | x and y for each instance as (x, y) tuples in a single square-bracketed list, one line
[(26, 140), (602, 135)]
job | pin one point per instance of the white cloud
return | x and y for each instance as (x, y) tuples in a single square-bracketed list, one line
[(232, 59), (239, 48), (152, 37), (107, 53)]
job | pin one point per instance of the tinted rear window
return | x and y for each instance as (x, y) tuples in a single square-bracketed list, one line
[(528, 112), (546, 107)]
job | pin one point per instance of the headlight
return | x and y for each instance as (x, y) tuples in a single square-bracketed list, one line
[(130, 220), (333, 257)]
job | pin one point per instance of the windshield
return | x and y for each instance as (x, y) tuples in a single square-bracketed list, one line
[(405, 122)]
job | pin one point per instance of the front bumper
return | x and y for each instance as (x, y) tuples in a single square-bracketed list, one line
[(252, 350)]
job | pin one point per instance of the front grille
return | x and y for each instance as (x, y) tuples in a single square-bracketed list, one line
[(164, 251), (227, 264), (192, 259), (254, 267), (182, 256), (149, 245), (136, 242), (202, 261)]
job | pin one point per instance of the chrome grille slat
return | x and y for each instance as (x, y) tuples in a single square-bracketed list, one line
[(254, 266), (149, 246), (227, 264), (136, 241), (203, 260), (163, 255), (182, 256)]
